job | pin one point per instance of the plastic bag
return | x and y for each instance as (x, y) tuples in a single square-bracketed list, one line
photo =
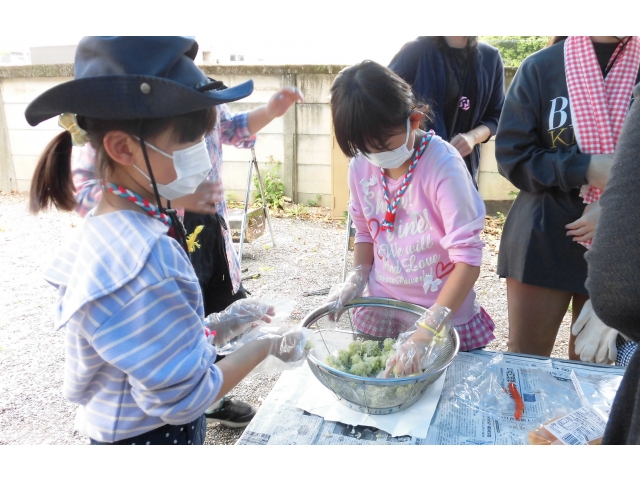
[(584, 426), (485, 389), (234, 326), (580, 426), (481, 390)]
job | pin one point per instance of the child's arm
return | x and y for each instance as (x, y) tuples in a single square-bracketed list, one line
[(277, 106), (363, 254), (458, 285), (237, 365), (240, 129)]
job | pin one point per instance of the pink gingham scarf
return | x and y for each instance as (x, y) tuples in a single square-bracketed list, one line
[(598, 106)]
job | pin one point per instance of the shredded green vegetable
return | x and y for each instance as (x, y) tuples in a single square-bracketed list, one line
[(363, 358)]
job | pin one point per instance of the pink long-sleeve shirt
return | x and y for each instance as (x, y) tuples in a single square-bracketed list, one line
[(438, 223)]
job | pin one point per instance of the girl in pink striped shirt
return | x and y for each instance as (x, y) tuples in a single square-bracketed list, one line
[(416, 212)]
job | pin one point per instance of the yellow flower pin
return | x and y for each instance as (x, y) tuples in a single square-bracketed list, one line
[(192, 244)]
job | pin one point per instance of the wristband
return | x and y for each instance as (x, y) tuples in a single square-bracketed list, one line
[(431, 329)]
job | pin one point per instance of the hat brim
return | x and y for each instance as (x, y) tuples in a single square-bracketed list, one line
[(125, 97)]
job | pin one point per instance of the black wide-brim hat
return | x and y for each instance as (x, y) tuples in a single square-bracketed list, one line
[(125, 78)]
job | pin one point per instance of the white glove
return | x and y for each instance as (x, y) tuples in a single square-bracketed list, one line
[(239, 317), (418, 344), (595, 342), (353, 287)]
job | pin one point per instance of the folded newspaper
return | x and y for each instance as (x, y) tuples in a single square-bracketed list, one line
[(455, 422)]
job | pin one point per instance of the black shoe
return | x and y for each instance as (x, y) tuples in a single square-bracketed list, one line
[(232, 413)]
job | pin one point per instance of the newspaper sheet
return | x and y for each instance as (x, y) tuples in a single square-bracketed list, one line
[(279, 422)]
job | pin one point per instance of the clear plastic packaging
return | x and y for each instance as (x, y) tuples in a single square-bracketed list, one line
[(486, 389)]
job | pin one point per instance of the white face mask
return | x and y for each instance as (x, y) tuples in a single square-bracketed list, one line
[(393, 158), (192, 166)]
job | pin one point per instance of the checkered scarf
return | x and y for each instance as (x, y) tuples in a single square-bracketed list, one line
[(599, 106)]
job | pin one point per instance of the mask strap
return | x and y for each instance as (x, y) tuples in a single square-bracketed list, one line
[(146, 160), (180, 233)]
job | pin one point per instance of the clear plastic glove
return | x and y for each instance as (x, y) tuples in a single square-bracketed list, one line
[(416, 345), (239, 317), (595, 342), (289, 347), (351, 288), (204, 200)]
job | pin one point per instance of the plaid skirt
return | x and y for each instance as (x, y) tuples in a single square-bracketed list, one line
[(626, 349), (378, 322)]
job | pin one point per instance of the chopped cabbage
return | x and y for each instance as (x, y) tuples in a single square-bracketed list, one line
[(363, 358)]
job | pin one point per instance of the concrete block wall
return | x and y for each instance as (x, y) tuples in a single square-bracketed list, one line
[(301, 140)]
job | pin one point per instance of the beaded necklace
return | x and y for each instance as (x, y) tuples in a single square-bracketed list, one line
[(143, 203), (390, 215)]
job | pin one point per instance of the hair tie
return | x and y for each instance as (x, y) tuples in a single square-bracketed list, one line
[(69, 122)]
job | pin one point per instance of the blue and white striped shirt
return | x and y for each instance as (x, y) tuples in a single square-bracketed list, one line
[(136, 354)]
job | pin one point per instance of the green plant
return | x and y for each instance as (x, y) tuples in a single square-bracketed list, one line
[(514, 50), (513, 193), (316, 202), (273, 186), (297, 210)]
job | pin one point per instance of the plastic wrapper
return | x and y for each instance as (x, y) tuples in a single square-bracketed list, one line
[(584, 425), (486, 389), (233, 326)]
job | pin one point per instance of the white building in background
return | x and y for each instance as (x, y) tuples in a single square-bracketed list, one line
[(53, 54), (227, 55), (15, 57)]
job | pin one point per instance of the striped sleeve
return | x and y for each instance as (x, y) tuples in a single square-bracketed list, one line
[(158, 340)]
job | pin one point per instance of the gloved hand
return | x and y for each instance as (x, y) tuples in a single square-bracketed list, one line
[(351, 288), (595, 342), (416, 345), (289, 344), (239, 317)]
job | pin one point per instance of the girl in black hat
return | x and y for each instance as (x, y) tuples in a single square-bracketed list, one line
[(215, 260), (139, 359)]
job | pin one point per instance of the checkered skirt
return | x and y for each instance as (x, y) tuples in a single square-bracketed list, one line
[(626, 349), (378, 322)]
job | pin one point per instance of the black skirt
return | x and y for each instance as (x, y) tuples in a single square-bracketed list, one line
[(535, 248), (192, 433)]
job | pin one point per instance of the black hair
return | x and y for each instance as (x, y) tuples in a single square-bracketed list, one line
[(369, 104), (52, 183), (472, 43)]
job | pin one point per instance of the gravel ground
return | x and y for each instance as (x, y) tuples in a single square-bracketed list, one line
[(307, 256)]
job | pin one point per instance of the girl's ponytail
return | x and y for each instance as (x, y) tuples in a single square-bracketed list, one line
[(52, 182)]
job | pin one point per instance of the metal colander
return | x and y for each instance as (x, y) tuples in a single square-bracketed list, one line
[(381, 318)]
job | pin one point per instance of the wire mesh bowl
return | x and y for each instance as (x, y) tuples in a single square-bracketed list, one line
[(382, 318)]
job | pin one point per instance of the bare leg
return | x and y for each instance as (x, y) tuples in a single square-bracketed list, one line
[(578, 302), (535, 315)]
